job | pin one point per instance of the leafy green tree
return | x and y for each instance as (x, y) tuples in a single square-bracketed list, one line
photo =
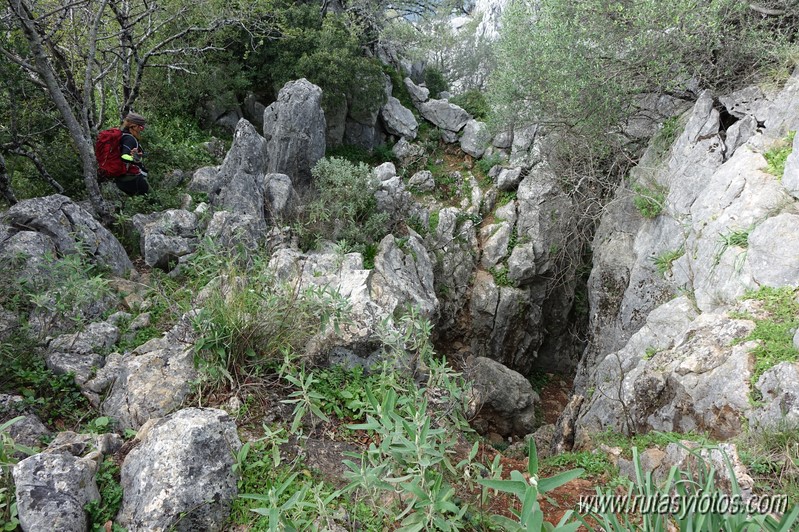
[(583, 63)]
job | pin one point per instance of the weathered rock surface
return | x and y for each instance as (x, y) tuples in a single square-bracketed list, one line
[(70, 228), (152, 380), (503, 400), (180, 475), (398, 119), (443, 114), (294, 129), (52, 490), (166, 236), (418, 94), (476, 138), (779, 387), (422, 181)]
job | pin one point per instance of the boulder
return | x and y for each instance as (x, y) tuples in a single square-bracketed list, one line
[(180, 475), (232, 230), (422, 181), (253, 110), (774, 251), (398, 119), (52, 490), (790, 178), (503, 400), (444, 115), (70, 228), (29, 430), (247, 154), (418, 94), (166, 236), (403, 277), (406, 152), (509, 178), (496, 238), (385, 171), (295, 129), (476, 138), (152, 380)]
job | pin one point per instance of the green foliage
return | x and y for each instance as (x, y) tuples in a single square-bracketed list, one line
[(474, 102), (8, 457), (344, 391), (698, 480), (584, 63), (345, 207), (500, 274), (104, 510), (650, 200), (650, 352), (250, 319), (434, 81), (594, 464), (487, 163), (774, 331), (527, 490), (664, 261), (739, 238), (772, 459), (173, 142), (505, 197), (357, 154), (55, 399), (777, 155), (669, 130)]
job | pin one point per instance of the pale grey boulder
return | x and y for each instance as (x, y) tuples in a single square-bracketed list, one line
[(790, 178), (180, 475), (509, 178), (503, 400), (152, 380), (52, 490), (232, 230), (475, 139), (774, 251), (496, 238), (205, 179), (406, 152), (70, 227), (444, 115), (418, 94), (385, 171), (422, 181), (166, 236), (295, 131), (398, 119)]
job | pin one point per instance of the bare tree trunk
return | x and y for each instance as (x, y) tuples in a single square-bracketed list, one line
[(80, 137), (5, 183)]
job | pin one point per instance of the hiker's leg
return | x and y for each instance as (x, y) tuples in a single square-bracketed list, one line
[(142, 186)]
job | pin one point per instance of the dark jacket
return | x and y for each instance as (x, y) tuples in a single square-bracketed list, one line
[(132, 154)]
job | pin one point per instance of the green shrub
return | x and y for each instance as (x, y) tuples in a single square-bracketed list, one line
[(776, 156), (774, 331), (435, 81), (473, 102), (650, 200), (251, 320), (344, 208), (104, 510)]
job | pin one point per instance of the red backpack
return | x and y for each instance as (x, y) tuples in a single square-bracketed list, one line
[(108, 151)]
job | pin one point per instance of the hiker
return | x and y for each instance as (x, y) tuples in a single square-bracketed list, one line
[(133, 182)]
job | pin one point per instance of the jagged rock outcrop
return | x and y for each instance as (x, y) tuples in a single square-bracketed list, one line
[(180, 475), (69, 227), (52, 490), (726, 227), (476, 138), (402, 277), (444, 115), (295, 131)]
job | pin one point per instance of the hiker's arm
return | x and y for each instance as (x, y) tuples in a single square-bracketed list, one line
[(131, 154)]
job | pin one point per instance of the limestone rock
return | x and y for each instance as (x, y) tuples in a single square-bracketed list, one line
[(180, 476), (52, 490), (69, 227), (398, 119), (418, 94), (166, 236), (153, 380), (422, 181), (295, 131), (503, 399), (444, 115), (779, 387), (475, 139)]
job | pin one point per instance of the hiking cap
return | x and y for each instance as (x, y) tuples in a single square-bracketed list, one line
[(135, 118)]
